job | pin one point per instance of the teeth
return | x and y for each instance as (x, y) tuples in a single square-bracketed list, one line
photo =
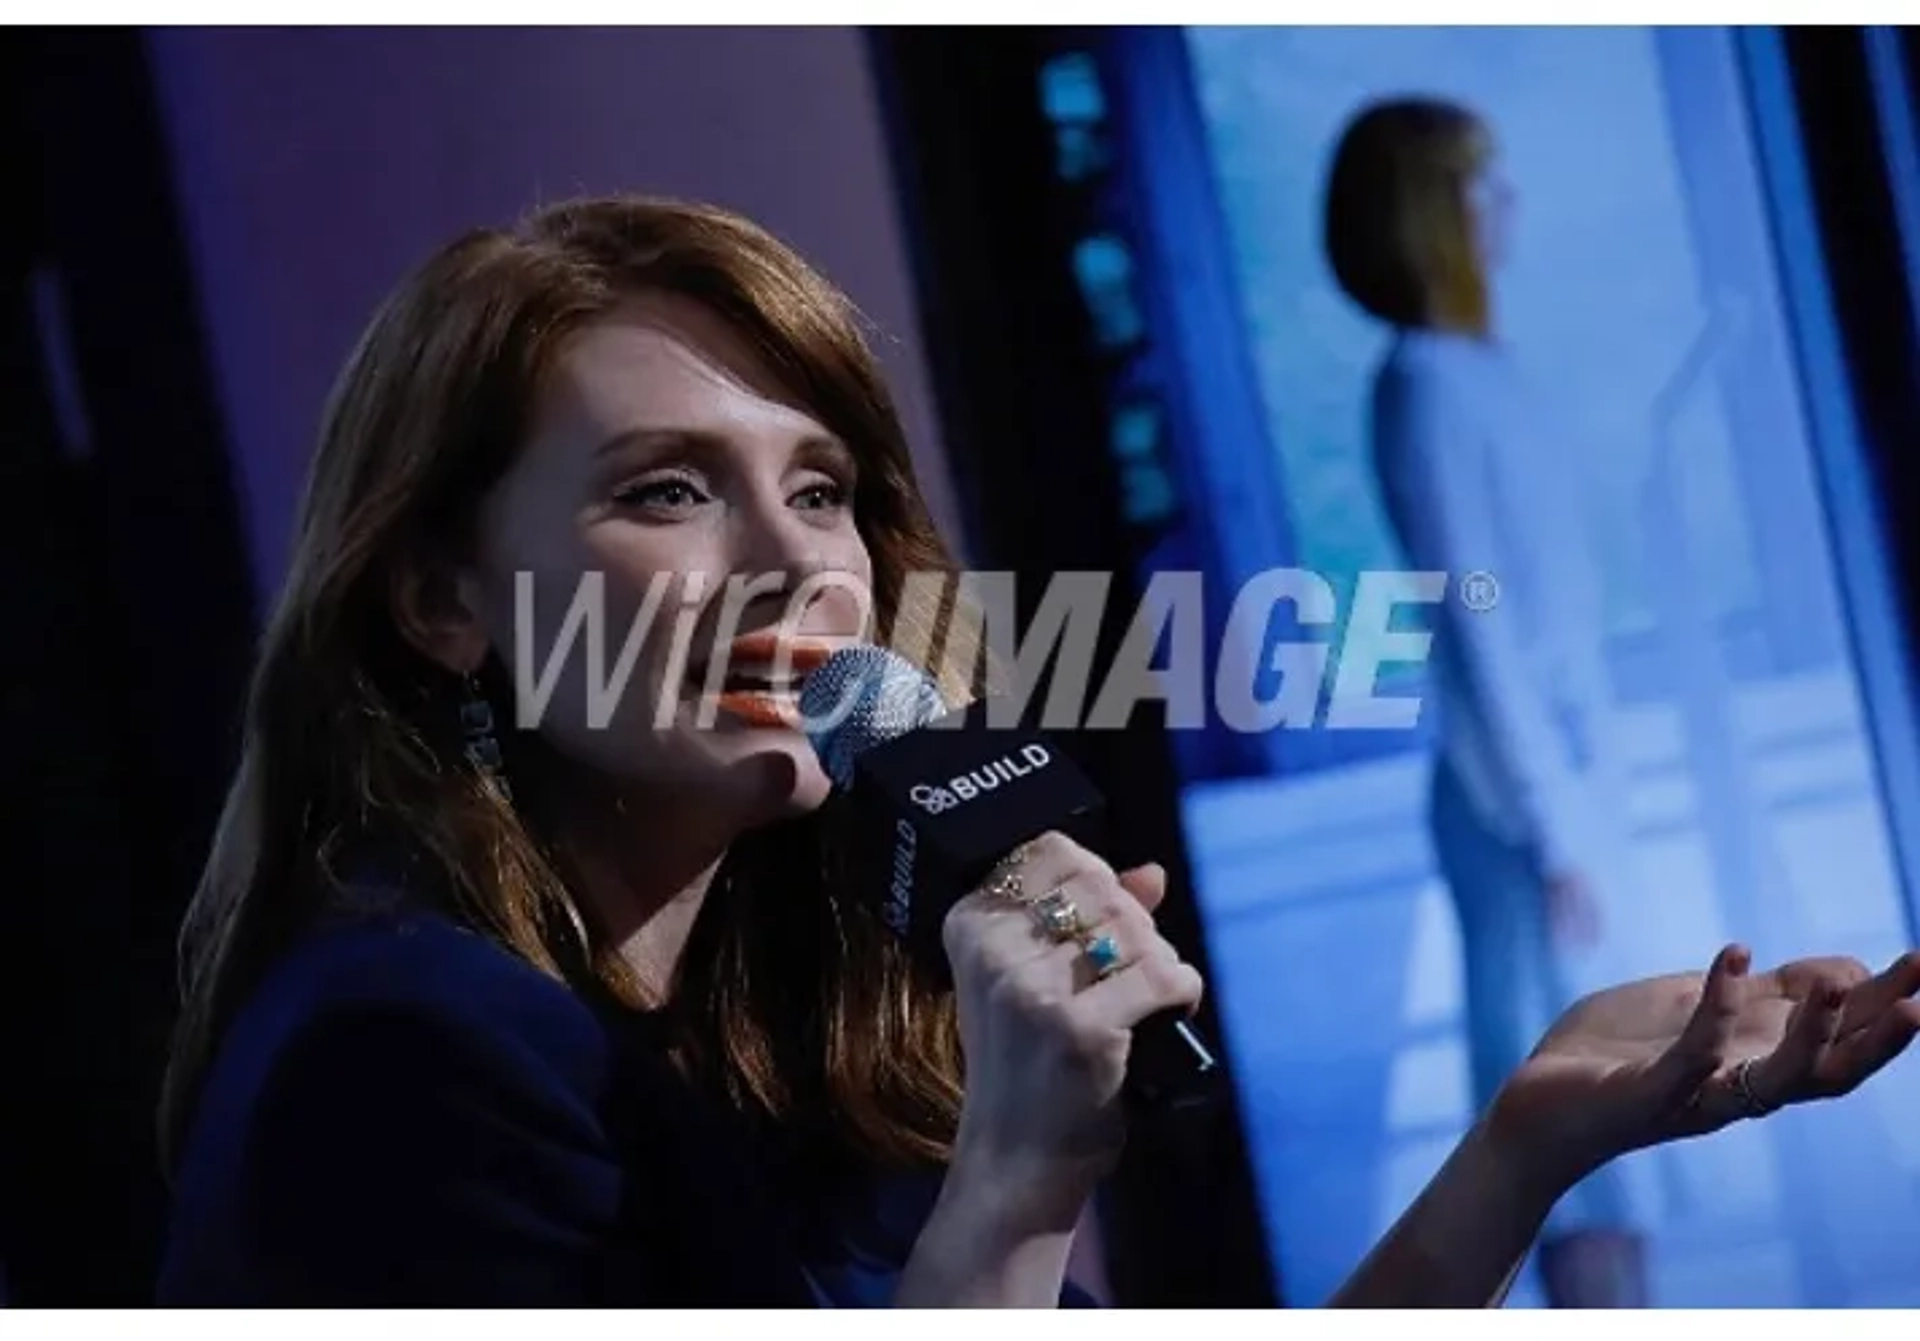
[(759, 685), (749, 680)]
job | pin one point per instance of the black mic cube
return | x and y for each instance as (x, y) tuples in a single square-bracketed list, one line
[(934, 809)]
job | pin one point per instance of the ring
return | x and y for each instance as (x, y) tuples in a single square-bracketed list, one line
[(1743, 1086), (1058, 915), (1103, 954), (1004, 880)]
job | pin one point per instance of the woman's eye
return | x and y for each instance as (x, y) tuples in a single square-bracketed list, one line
[(826, 494), (667, 493)]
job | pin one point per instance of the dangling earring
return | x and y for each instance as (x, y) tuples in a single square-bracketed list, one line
[(483, 746)]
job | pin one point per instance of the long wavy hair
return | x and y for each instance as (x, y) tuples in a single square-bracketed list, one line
[(1398, 223), (792, 998)]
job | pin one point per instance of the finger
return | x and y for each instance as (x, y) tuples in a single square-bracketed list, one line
[(1797, 980), (1144, 987), (1014, 947), (1098, 906), (1053, 860), (1129, 926), (1103, 898), (1864, 1051), (1148, 884), (1872, 997), (1792, 1069), (1030, 871), (985, 929), (1702, 1046), (991, 925)]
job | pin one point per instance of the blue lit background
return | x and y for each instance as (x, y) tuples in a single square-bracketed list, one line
[(1664, 287)]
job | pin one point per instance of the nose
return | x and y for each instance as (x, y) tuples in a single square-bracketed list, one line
[(773, 540), (777, 542)]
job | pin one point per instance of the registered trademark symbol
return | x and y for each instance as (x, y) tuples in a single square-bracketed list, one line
[(1479, 591)]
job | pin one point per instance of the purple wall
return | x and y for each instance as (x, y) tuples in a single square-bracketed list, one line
[(316, 166)]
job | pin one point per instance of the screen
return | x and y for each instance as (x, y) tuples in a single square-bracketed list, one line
[(1646, 294)]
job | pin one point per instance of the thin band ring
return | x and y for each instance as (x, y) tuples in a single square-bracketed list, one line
[(1743, 1086)]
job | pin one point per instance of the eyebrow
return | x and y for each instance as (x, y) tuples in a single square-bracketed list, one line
[(658, 438), (813, 448)]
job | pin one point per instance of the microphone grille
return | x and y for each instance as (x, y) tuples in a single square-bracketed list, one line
[(861, 697)]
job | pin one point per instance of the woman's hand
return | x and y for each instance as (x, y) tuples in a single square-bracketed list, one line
[(1633, 1066), (1045, 1038), (1667, 1058)]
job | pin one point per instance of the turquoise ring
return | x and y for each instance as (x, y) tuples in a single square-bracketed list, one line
[(1103, 954)]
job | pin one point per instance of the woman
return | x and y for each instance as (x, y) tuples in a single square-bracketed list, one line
[(1525, 794), (579, 1013)]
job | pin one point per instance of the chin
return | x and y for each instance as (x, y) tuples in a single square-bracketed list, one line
[(806, 798), (778, 773), (799, 785)]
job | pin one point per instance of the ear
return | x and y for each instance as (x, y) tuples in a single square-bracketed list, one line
[(436, 606)]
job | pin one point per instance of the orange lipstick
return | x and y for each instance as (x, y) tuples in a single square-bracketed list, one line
[(769, 655), (759, 709), (764, 647)]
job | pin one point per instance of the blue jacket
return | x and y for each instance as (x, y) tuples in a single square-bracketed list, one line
[(406, 1114)]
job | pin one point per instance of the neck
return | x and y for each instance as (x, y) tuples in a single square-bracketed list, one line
[(643, 860)]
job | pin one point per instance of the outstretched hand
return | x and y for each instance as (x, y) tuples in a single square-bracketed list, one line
[(1666, 1058)]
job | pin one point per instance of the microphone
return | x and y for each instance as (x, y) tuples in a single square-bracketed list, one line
[(938, 797)]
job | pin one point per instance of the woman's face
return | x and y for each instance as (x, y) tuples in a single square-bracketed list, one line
[(675, 495), (1490, 210)]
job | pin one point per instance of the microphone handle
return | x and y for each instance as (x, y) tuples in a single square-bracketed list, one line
[(1170, 1065)]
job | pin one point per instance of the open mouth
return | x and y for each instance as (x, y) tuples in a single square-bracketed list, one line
[(762, 676), (754, 682)]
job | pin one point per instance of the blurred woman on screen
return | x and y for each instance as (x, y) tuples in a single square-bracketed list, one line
[(1477, 484)]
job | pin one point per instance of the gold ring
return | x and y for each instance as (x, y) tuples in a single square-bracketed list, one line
[(1754, 1105), (1004, 880), (1058, 915)]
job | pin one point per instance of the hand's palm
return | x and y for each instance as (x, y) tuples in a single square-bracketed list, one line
[(1658, 1059)]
